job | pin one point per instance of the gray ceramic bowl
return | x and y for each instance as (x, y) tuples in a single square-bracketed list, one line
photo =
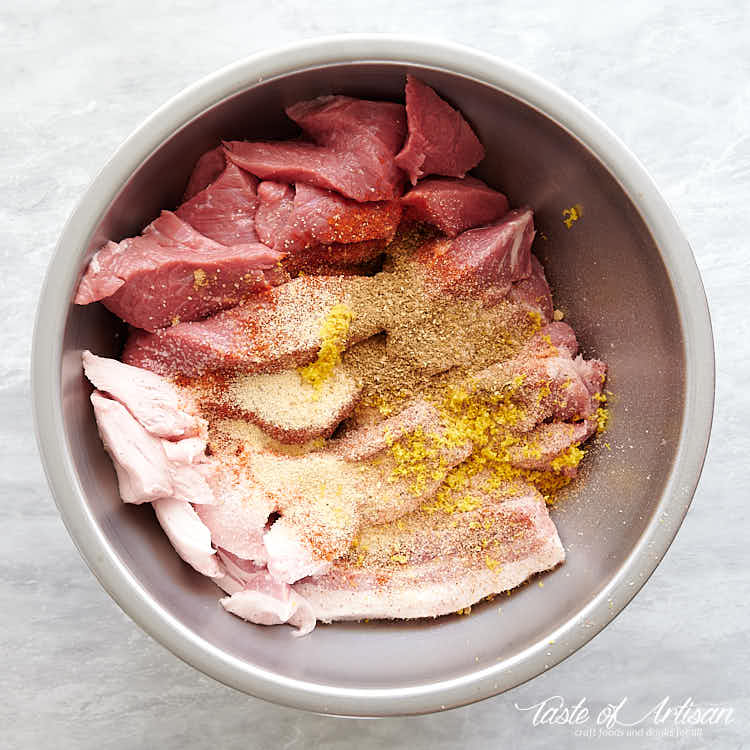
[(624, 274)]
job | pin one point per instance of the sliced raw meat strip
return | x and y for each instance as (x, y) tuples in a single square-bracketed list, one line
[(277, 331), (324, 500), (235, 571), (430, 564), (151, 399), (454, 205), (355, 145), (322, 217), (592, 372), (190, 538), (225, 210), (275, 204), (205, 171), (366, 442), (173, 273), (440, 141), (548, 441), (482, 262), (534, 291), (286, 406), (551, 386)]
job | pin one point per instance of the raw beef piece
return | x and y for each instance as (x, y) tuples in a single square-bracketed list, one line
[(431, 564), (151, 399), (482, 262), (277, 331), (254, 595), (225, 210), (321, 217), (454, 205), (373, 131), (190, 538), (351, 259), (534, 292), (355, 145), (440, 141), (205, 171), (275, 204), (172, 273)]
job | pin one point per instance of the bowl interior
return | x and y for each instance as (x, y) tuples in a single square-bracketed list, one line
[(606, 274)]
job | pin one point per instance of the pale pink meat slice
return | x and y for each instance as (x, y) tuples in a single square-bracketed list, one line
[(366, 442), (254, 595), (551, 340), (238, 519), (429, 565), (440, 141), (149, 467), (552, 386), (191, 471), (454, 205), (188, 535), (206, 170), (355, 145), (482, 262), (224, 211), (151, 399), (138, 457), (172, 273)]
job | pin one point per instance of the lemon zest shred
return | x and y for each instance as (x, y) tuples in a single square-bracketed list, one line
[(333, 334)]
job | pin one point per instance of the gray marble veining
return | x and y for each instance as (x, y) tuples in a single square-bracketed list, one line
[(673, 81)]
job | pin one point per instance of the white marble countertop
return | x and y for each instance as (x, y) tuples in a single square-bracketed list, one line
[(79, 76)]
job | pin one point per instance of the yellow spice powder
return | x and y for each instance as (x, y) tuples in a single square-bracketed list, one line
[(333, 334)]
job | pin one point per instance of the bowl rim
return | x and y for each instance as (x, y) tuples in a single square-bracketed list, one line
[(693, 313)]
